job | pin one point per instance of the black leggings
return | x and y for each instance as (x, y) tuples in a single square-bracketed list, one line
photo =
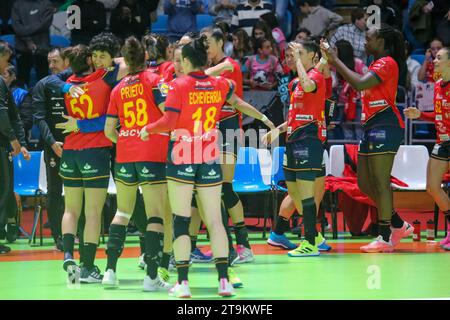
[(8, 205)]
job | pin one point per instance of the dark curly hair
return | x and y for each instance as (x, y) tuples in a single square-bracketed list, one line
[(106, 42)]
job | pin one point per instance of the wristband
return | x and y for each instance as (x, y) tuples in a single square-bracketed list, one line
[(66, 87)]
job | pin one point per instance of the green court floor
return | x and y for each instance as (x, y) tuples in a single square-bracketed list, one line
[(415, 272)]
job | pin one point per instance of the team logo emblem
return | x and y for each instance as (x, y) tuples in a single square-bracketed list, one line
[(145, 170), (64, 165), (52, 162), (212, 172), (189, 169), (123, 170), (163, 88), (87, 166)]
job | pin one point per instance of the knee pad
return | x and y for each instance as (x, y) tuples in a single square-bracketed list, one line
[(116, 240), (180, 226), (156, 220), (229, 197)]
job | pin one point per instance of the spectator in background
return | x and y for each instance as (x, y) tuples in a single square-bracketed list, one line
[(261, 69), (182, 17), (355, 33), (247, 14), (413, 69), (5, 16), (262, 30), (242, 47), (426, 72), (390, 13), (281, 7), (440, 19), (222, 10), (130, 17), (110, 5), (329, 4), (302, 34), (93, 21), (316, 18), (31, 21), (271, 20)]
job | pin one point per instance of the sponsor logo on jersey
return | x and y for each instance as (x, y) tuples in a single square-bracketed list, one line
[(438, 117), (304, 117), (377, 103), (189, 169), (123, 170), (163, 88), (212, 172), (64, 165), (145, 170)]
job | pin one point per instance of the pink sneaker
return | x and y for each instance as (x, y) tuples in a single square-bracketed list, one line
[(397, 234), (378, 245), (245, 254), (445, 241)]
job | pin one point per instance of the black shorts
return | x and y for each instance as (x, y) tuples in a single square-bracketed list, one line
[(441, 151), (200, 175), (232, 141), (303, 159), (381, 140), (139, 173), (88, 168)]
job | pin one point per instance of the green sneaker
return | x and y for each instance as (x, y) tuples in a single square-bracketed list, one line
[(163, 274), (305, 249)]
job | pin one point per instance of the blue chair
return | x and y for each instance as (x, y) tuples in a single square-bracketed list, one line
[(248, 178), (420, 58), (160, 25), (277, 169), (204, 20), (26, 184), (10, 38), (59, 41)]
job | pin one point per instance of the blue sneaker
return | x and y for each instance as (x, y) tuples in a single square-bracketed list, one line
[(199, 257), (322, 243), (280, 241)]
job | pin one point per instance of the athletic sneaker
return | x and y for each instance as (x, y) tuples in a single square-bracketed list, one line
[(91, 276), (142, 265), (446, 240), (446, 246), (225, 288), (59, 244), (199, 257), (110, 279), (305, 249), (245, 254), (163, 273), (155, 284), (233, 257), (180, 290), (4, 249), (322, 243), (378, 245), (172, 263), (11, 232), (234, 279), (280, 241), (397, 234), (73, 271)]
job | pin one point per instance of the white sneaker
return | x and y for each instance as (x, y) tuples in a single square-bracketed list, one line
[(225, 288), (245, 254), (155, 284), (180, 290), (110, 279), (142, 264)]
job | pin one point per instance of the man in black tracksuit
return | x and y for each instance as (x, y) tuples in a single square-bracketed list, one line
[(12, 142)]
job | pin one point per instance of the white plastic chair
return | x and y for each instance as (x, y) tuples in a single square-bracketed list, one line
[(410, 166), (43, 175), (337, 163), (326, 158)]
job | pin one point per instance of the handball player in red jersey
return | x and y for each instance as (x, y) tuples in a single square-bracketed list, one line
[(382, 128), (438, 165), (135, 102), (303, 159), (192, 110)]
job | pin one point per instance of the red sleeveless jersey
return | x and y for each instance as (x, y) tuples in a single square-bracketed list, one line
[(135, 102), (235, 75), (382, 96), (199, 99), (306, 107), (442, 110), (92, 104)]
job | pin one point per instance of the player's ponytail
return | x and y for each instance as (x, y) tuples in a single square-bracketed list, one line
[(215, 33), (79, 58), (156, 46), (196, 52), (134, 54)]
